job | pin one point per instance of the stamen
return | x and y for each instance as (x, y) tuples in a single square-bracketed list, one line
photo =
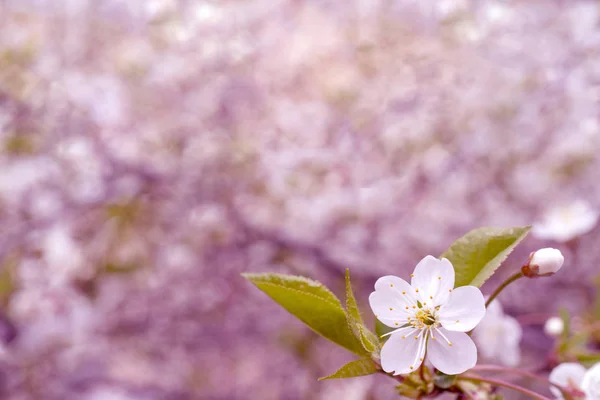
[(450, 290), (403, 336), (397, 330), (391, 308), (439, 277), (403, 292), (412, 275), (442, 335), (391, 285), (431, 297), (422, 344), (417, 290)]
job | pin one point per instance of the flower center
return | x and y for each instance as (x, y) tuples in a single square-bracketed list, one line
[(424, 317)]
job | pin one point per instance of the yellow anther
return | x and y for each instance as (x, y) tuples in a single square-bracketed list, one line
[(416, 337), (403, 292), (432, 338), (417, 290), (431, 297), (395, 323), (391, 285), (420, 358), (412, 275), (403, 337), (407, 309), (457, 320), (414, 306), (450, 290), (450, 344), (391, 308), (439, 277), (411, 367), (424, 303)]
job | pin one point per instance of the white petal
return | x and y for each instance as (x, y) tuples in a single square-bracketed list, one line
[(394, 284), (434, 278), (389, 309), (400, 354), (392, 301), (464, 309), (454, 359), (566, 374), (591, 382)]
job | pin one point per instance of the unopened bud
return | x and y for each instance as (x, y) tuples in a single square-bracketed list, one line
[(543, 262), (554, 326)]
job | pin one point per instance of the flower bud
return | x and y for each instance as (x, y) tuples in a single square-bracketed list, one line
[(554, 326), (543, 262)]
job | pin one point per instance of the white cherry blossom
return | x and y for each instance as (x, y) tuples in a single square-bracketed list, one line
[(431, 318), (566, 222)]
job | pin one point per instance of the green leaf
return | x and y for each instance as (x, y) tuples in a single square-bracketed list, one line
[(368, 340), (353, 369), (478, 254), (312, 303), (351, 306)]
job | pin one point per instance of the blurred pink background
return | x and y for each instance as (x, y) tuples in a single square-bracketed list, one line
[(151, 151)]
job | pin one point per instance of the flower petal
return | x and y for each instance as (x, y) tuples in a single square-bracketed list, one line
[(393, 284), (389, 309), (400, 353), (392, 301), (464, 309), (566, 374), (451, 359), (434, 278)]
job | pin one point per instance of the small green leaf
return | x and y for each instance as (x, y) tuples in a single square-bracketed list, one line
[(367, 338), (351, 306), (312, 303), (353, 369), (478, 254)]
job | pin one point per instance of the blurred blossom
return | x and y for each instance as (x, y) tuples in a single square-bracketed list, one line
[(498, 336), (554, 326), (564, 223), (575, 377), (591, 382), (569, 375)]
